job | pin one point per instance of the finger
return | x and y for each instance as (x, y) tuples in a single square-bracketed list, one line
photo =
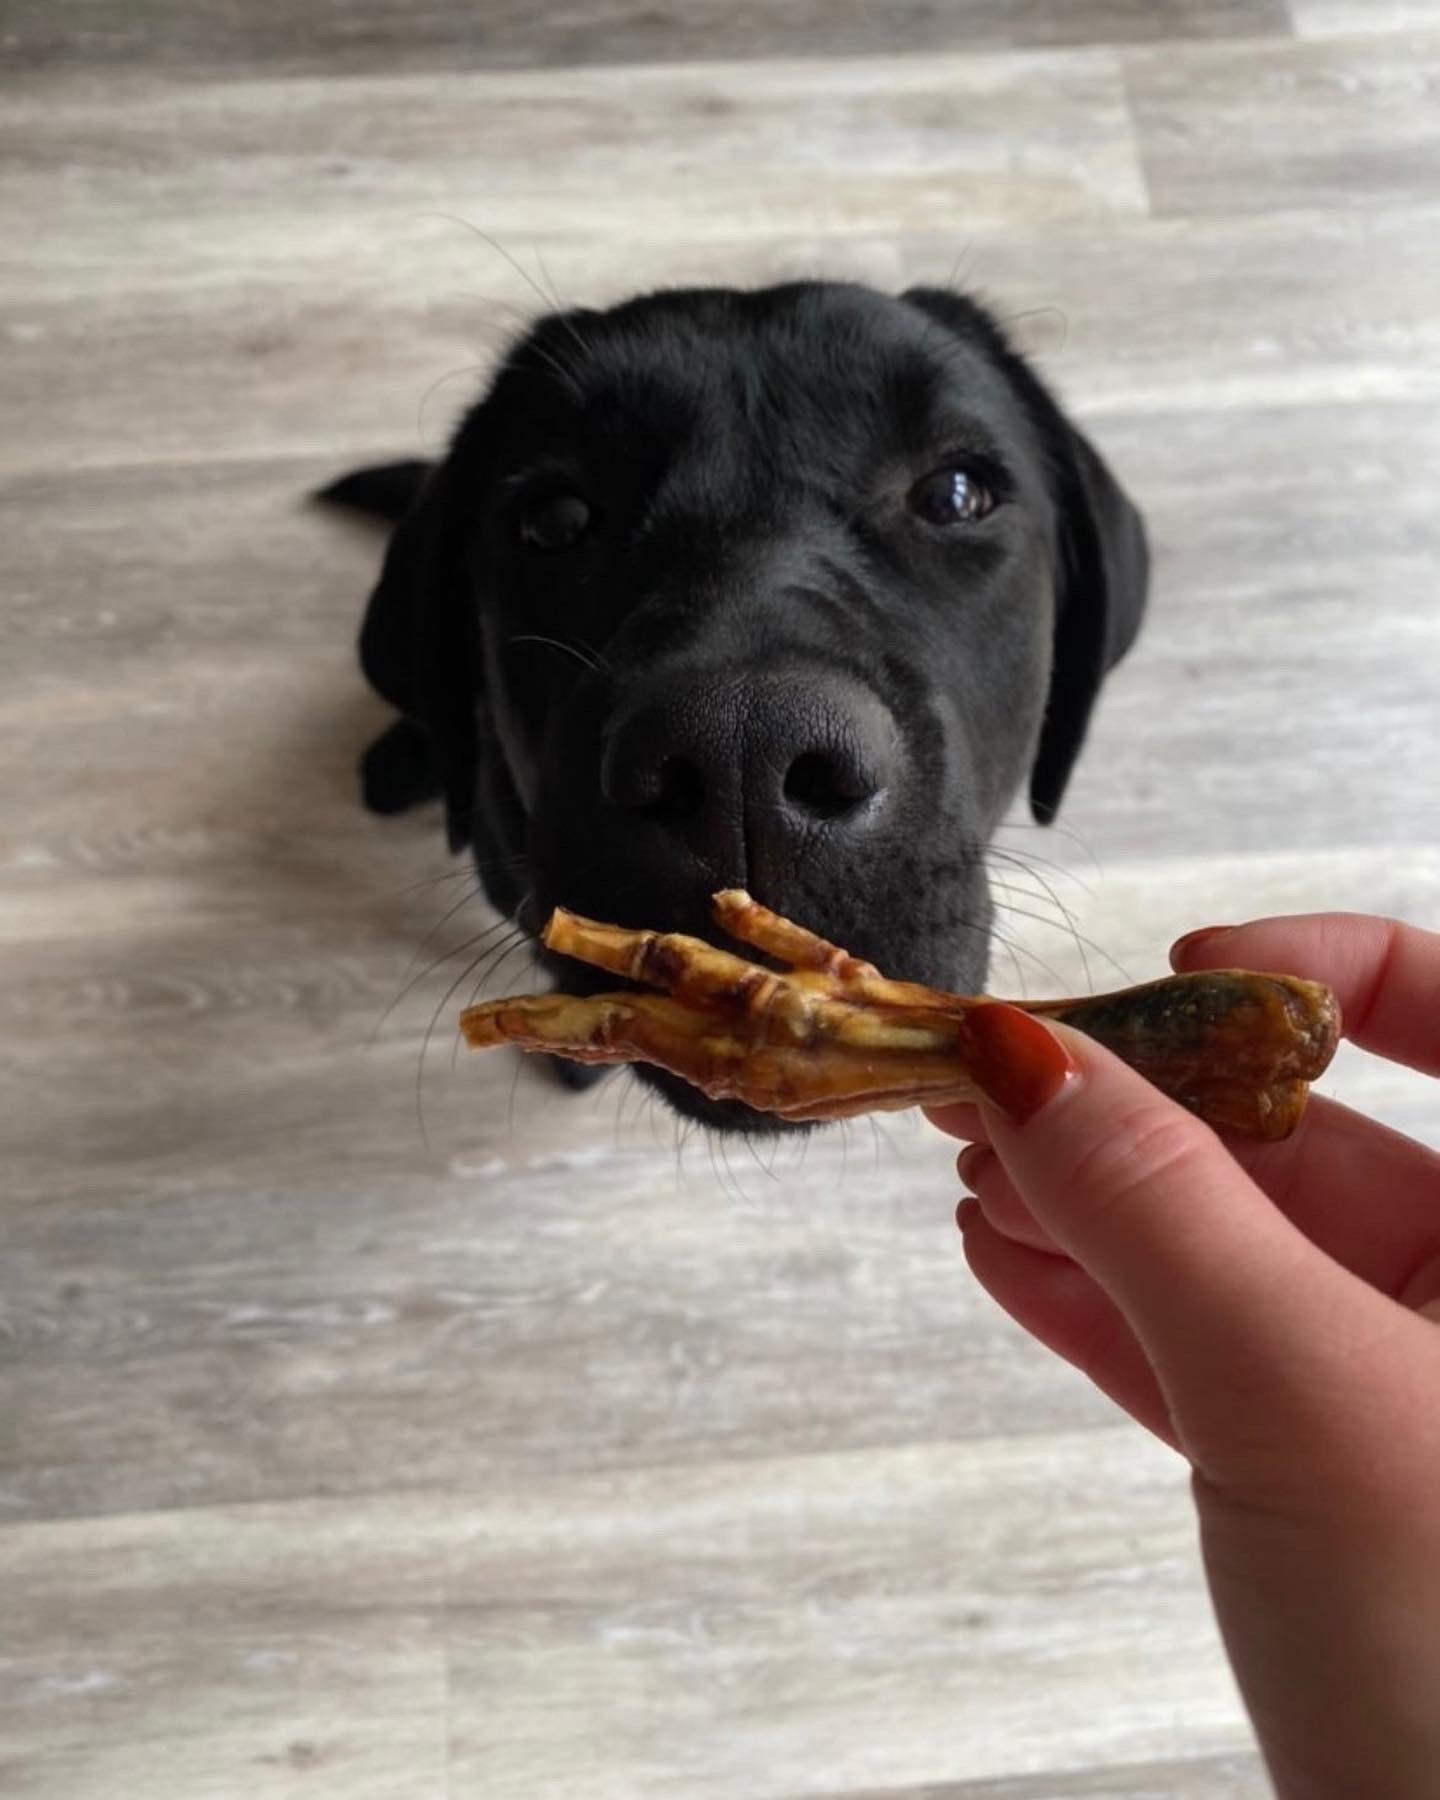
[(983, 1173), (1386, 975), (1422, 1291), (1225, 1296), (959, 1121), (1367, 1196), (1061, 1306)]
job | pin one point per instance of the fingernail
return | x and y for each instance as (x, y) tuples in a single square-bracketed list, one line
[(1017, 1063), (1193, 940)]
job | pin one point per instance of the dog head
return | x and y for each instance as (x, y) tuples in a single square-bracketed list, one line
[(790, 590)]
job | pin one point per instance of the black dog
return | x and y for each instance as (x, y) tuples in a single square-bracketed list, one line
[(788, 590)]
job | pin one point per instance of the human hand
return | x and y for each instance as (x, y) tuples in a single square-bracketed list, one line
[(1271, 1310)]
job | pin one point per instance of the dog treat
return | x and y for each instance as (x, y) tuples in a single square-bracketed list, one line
[(828, 1036)]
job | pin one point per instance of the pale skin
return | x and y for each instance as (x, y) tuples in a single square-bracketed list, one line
[(1273, 1312)]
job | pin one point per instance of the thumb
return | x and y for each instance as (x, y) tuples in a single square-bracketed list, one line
[(1245, 1322)]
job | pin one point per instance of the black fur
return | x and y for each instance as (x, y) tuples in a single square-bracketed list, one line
[(387, 492), (761, 665)]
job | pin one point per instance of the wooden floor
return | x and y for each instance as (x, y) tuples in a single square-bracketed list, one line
[(532, 1454)]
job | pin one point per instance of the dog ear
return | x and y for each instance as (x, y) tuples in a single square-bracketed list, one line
[(1103, 579), (419, 651), (1102, 560)]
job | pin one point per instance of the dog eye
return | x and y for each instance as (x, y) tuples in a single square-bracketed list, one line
[(951, 497), (556, 522)]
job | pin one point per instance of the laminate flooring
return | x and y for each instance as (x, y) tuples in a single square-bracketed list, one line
[(383, 1425)]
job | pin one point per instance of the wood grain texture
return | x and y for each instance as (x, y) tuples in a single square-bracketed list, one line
[(222, 1654), (1319, 18), (888, 142), (774, 1611), (540, 1451), (1238, 1777), (1291, 587), (1346, 124), (715, 1625), (413, 315), (390, 35)]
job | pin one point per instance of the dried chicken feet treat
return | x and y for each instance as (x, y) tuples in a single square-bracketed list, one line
[(828, 1036)]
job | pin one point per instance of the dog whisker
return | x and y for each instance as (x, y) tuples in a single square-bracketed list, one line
[(546, 300), (1061, 920), (958, 267), (522, 326), (470, 893), (561, 306), (440, 381), (439, 963), (443, 1002), (1006, 320), (458, 982), (1055, 829), (1031, 859), (587, 657), (1017, 948), (1021, 862), (769, 1173), (747, 1202), (681, 1136), (430, 881), (805, 1143), (710, 1157), (490, 974), (493, 961), (1082, 942), (569, 378), (1009, 949), (657, 1119)]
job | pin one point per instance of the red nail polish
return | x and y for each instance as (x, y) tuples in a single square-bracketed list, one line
[(1192, 940), (1018, 1063)]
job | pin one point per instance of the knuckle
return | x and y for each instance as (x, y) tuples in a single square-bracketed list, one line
[(1145, 1147)]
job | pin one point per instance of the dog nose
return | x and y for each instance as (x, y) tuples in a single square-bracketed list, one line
[(747, 766)]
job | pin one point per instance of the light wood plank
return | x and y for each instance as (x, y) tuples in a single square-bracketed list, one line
[(881, 1615), (1339, 124), (808, 145), (768, 1627), (389, 34), (236, 1654), (551, 1299), (1291, 547), (1321, 18), (1200, 1778)]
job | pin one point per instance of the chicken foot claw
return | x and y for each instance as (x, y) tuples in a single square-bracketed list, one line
[(828, 1036)]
